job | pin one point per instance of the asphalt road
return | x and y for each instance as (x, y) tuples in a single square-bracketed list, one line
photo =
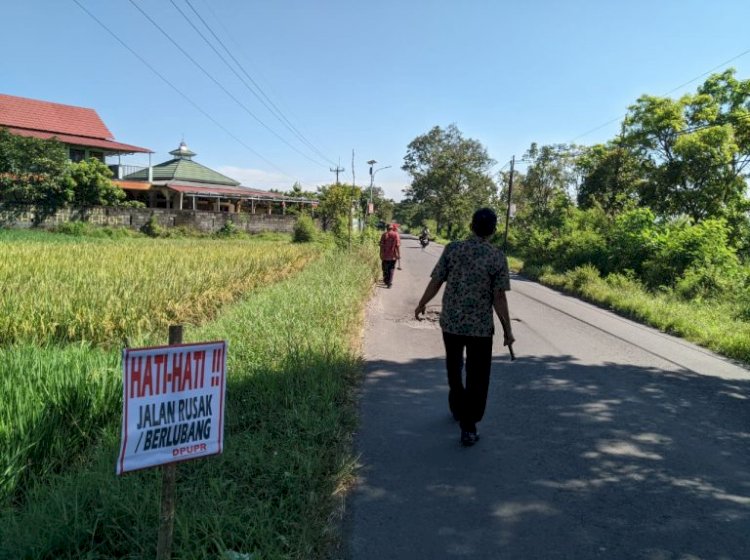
[(604, 439)]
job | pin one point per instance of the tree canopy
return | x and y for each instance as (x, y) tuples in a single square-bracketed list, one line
[(450, 176)]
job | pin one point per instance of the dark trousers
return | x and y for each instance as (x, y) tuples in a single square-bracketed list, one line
[(467, 402), (388, 267)]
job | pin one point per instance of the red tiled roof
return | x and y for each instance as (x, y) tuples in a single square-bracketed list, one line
[(20, 112), (43, 117), (80, 140)]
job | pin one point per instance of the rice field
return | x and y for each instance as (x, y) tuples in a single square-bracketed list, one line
[(290, 414), (106, 291), (68, 304)]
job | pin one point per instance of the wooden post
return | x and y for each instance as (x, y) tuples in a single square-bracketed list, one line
[(168, 483)]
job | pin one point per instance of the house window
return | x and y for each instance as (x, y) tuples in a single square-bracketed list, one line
[(97, 155), (77, 154)]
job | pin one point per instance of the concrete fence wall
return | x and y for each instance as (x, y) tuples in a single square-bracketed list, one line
[(135, 218)]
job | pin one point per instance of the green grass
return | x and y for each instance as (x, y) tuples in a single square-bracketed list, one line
[(290, 415), (713, 324)]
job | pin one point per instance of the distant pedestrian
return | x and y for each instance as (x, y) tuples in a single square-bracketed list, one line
[(390, 252), (476, 277)]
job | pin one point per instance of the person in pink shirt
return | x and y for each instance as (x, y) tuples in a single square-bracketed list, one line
[(390, 252)]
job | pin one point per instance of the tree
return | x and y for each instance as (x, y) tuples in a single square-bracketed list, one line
[(93, 185), (383, 207), (693, 150), (336, 206), (33, 171), (549, 178), (298, 192), (450, 176), (610, 177)]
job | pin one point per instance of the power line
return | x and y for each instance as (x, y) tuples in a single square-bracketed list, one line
[(244, 82), (265, 100), (179, 92), (743, 53), (219, 84)]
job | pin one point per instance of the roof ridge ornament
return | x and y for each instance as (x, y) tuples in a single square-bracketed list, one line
[(183, 152)]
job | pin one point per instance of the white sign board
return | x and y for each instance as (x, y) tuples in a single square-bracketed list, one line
[(173, 404)]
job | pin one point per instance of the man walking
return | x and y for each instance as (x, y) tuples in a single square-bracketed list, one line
[(390, 252), (476, 277)]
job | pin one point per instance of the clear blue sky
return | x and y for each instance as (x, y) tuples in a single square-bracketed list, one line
[(368, 76)]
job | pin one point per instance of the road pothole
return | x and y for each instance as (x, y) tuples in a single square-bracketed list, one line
[(430, 320)]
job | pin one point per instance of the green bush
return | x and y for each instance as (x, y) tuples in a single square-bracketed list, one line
[(304, 230), (76, 229), (229, 229), (708, 280), (582, 276), (537, 247), (743, 300), (630, 240), (370, 236), (683, 246), (132, 204), (86, 229), (577, 248), (152, 227), (623, 281)]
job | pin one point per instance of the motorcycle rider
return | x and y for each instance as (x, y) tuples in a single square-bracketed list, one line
[(424, 237)]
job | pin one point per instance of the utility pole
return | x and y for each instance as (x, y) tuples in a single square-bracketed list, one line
[(338, 169), (371, 163), (507, 212)]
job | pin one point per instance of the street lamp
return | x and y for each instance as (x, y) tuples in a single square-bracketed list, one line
[(372, 175), (371, 163)]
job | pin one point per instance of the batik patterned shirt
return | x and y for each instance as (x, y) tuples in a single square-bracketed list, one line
[(473, 270)]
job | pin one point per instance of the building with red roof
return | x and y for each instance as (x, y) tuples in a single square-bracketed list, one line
[(79, 128), (179, 183)]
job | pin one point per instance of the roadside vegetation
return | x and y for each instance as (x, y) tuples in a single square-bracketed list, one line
[(654, 223), (294, 320)]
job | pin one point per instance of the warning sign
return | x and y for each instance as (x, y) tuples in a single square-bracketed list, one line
[(173, 404)]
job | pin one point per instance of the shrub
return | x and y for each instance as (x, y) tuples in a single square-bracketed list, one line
[(581, 276), (132, 204), (630, 240), (86, 229), (152, 227), (623, 281), (577, 248), (708, 280), (370, 236), (76, 229), (537, 246), (684, 246), (743, 302), (229, 229), (304, 230)]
